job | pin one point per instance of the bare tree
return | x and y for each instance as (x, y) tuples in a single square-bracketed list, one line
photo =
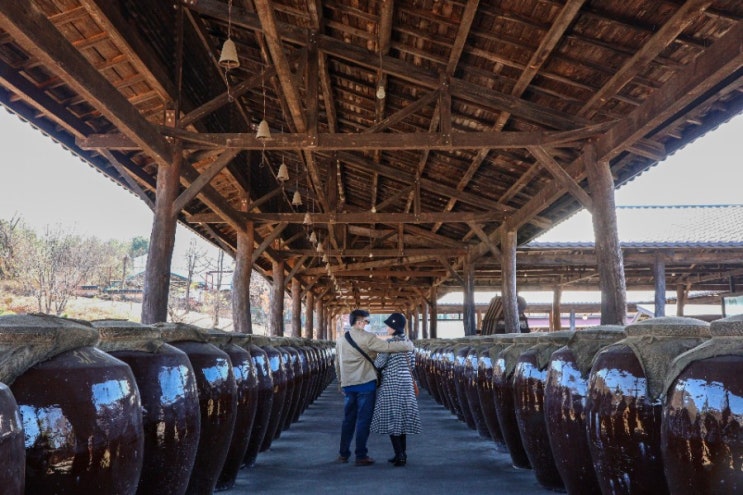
[(218, 288), (9, 231), (195, 262)]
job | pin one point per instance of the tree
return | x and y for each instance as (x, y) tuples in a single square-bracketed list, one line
[(9, 231), (195, 262), (53, 265)]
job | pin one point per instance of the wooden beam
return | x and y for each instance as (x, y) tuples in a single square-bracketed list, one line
[(204, 178), (378, 253), (268, 240), (484, 238), (444, 261), (564, 178)]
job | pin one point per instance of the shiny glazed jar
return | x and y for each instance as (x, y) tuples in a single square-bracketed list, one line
[(170, 402), (624, 406), (565, 396), (215, 382), (278, 371), (80, 408), (503, 370), (461, 361), (701, 437), (12, 448), (529, 380), (246, 382), (264, 404), (486, 396)]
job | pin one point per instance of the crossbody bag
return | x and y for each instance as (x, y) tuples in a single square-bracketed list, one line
[(356, 346)]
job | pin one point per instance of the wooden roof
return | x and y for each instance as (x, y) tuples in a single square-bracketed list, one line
[(488, 106)]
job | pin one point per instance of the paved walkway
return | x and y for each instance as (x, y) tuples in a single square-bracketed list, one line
[(448, 458)]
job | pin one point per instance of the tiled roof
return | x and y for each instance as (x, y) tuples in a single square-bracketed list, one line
[(713, 226)]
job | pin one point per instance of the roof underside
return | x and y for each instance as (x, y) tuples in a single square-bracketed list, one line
[(488, 108)]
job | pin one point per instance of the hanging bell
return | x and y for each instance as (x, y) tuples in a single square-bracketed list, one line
[(313, 237), (297, 199), (263, 131), (307, 219), (283, 174), (228, 58), (381, 94)]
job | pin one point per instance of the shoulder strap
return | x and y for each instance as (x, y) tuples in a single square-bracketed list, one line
[(356, 346)]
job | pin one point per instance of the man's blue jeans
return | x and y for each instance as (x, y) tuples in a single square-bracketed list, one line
[(358, 410)]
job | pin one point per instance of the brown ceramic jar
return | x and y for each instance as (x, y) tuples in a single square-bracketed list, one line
[(471, 386), (277, 363), (503, 370), (701, 439), (80, 408), (246, 381), (486, 396), (564, 406), (461, 353), (215, 381), (170, 403), (624, 406), (264, 404)]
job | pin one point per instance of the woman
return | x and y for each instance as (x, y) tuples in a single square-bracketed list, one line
[(396, 410)]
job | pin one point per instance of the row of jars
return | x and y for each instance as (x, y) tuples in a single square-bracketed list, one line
[(120, 408), (655, 407)]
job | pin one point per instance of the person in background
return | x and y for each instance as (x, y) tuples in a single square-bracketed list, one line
[(396, 411), (357, 379)]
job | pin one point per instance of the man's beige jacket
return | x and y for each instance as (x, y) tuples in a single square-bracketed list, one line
[(351, 368)]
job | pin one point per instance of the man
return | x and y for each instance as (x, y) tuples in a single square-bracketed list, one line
[(358, 381)]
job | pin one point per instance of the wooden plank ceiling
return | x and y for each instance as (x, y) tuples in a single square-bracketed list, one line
[(486, 108)]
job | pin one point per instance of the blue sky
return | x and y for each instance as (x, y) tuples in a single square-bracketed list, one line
[(47, 185)]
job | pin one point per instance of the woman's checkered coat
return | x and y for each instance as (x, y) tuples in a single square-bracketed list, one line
[(396, 409)]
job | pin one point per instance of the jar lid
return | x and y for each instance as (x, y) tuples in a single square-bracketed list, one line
[(732, 326), (125, 335), (181, 332), (669, 326)]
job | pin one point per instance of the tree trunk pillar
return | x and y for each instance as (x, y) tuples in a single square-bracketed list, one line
[(659, 275), (296, 308), (277, 300), (470, 325), (680, 299), (555, 320), (608, 251), (241, 318), (424, 320), (508, 269), (309, 308), (434, 312), (162, 240)]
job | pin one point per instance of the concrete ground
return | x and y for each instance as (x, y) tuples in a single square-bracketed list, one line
[(447, 458)]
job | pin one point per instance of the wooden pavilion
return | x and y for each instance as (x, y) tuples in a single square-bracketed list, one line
[(369, 153)]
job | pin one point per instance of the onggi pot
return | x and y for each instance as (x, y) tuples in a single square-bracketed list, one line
[(80, 407), (170, 402), (215, 382), (564, 406), (702, 427), (12, 449), (625, 403)]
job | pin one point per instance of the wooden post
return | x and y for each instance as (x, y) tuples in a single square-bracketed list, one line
[(317, 332), (323, 322), (608, 251), (162, 239), (680, 299), (470, 326), (659, 275), (478, 324), (241, 318), (434, 312), (555, 320), (508, 269), (424, 320), (309, 314), (572, 319), (296, 308), (276, 328)]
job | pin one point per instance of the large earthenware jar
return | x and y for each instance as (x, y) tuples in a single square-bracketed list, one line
[(625, 403), (12, 449), (503, 370), (485, 393), (265, 401), (277, 363), (471, 382), (529, 380), (701, 437), (170, 402), (246, 382), (215, 382), (293, 386), (80, 407), (565, 396), (461, 353)]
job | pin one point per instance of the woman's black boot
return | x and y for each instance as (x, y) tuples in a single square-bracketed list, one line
[(397, 447)]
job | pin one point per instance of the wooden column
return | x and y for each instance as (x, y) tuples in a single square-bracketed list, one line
[(659, 276), (555, 320), (410, 323), (309, 314), (434, 312), (317, 332), (478, 322), (296, 308), (680, 299), (241, 318), (276, 326), (608, 251), (470, 326), (424, 320), (162, 239), (508, 270), (323, 322), (572, 319)]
